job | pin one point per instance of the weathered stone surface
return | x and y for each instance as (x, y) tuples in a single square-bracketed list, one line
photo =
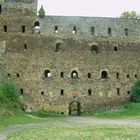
[(27, 55)]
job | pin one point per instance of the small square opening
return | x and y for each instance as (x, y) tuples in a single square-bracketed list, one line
[(42, 93)]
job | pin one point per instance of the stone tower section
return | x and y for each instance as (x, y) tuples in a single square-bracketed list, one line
[(18, 7)]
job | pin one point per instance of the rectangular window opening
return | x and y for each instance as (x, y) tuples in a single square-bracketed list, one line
[(74, 30), (21, 92), (118, 91), (117, 75), (23, 28), (128, 76), (126, 31), (0, 9), (92, 30), (136, 76), (89, 75), (128, 92), (56, 29), (62, 74), (62, 92), (89, 92), (5, 28), (109, 31), (116, 49)]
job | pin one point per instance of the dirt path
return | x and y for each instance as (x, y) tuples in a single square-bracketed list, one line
[(134, 122)]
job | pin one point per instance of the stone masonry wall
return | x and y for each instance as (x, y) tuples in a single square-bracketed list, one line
[(104, 53)]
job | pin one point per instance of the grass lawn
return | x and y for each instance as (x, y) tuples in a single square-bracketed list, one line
[(6, 121), (96, 132), (125, 111)]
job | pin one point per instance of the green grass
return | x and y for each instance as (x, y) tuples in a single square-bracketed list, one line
[(125, 111), (78, 133), (6, 121)]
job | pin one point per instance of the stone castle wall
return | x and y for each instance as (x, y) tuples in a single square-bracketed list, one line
[(106, 61)]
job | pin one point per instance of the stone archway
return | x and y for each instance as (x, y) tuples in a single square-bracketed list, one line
[(75, 108)]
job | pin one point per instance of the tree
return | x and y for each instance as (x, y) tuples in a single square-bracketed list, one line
[(130, 15), (41, 12), (135, 93)]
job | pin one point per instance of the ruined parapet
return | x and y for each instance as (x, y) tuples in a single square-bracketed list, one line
[(18, 7)]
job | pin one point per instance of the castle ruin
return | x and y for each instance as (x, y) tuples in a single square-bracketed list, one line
[(59, 61)]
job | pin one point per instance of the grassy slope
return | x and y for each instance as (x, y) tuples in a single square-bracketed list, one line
[(125, 111), (78, 133)]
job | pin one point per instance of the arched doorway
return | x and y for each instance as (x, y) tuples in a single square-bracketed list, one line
[(74, 108)]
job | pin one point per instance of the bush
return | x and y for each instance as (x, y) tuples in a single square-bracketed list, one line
[(41, 12), (44, 113), (8, 91), (135, 93)]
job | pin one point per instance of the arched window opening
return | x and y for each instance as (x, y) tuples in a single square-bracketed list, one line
[(74, 74), (47, 73), (37, 27), (37, 24), (56, 29), (94, 49), (74, 30), (104, 75)]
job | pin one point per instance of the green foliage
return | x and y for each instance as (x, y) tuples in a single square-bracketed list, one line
[(135, 93), (130, 15), (43, 113), (124, 111), (41, 12), (8, 91)]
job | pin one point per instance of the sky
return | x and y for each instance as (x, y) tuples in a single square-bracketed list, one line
[(98, 8)]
